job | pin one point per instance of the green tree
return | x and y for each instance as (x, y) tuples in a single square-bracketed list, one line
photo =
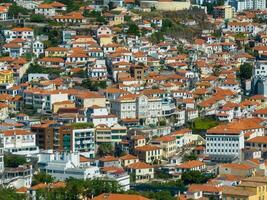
[(133, 29), (35, 69), (42, 177), (10, 194), (163, 195), (93, 85), (245, 71), (194, 177), (11, 160), (105, 149), (190, 156), (15, 10), (37, 18)]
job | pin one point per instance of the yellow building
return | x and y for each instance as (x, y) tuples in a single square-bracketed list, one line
[(62, 104), (6, 76), (253, 188), (223, 12)]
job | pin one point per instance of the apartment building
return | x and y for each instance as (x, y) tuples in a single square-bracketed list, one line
[(110, 134), (18, 141), (148, 153), (167, 144), (223, 12), (22, 33), (137, 107)]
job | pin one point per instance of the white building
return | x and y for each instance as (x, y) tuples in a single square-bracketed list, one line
[(226, 144), (241, 5), (98, 70), (37, 48), (28, 4), (18, 141), (66, 165), (3, 13), (137, 107), (43, 99), (83, 141), (23, 33)]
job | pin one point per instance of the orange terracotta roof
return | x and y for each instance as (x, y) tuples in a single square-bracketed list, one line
[(258, 139), (139, 165), (147, 148), (190, 164), (237, 166)]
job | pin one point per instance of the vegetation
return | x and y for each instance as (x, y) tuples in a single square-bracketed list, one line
[(15, 11), (190, 156), (79, 189), (105, 149), (203, 123), (37, 18), (245, 71), (133, 29), (195, 177), (42, 177), (10, 194), (12, 160), (35, 68), (93, 85), (82, 125)]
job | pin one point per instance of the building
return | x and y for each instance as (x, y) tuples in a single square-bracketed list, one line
[(83, 141), (243, 170), (6, 77), (225, 142), (149, 153), (4, 114), (113, 134), (167, 144), (22, 33), (3, 13), (141, 171), (18, 141), (223, 12), (137, 107), (192, 165), (259, 78), (65, 165), (241, 5)]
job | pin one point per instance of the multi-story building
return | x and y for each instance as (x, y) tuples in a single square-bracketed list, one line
[(167, 144), (241, 5), (223, 12), (259, 78), (20, 142), (43, 99), (6, 77), (142, 172), (149, 153), (225, 142), (23, 33), (137, 107), (66, 165), (113, 134)]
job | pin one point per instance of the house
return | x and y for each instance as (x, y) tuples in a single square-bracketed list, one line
[(6, 77), (72, 18), (167, 144), (113, 134), (243, 170), (109, 161), (128, 159), (141, 171), (3, 111), (3, 13), (192, 165), (50, 9), (148, 153), (196, 191), (22, 33)]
